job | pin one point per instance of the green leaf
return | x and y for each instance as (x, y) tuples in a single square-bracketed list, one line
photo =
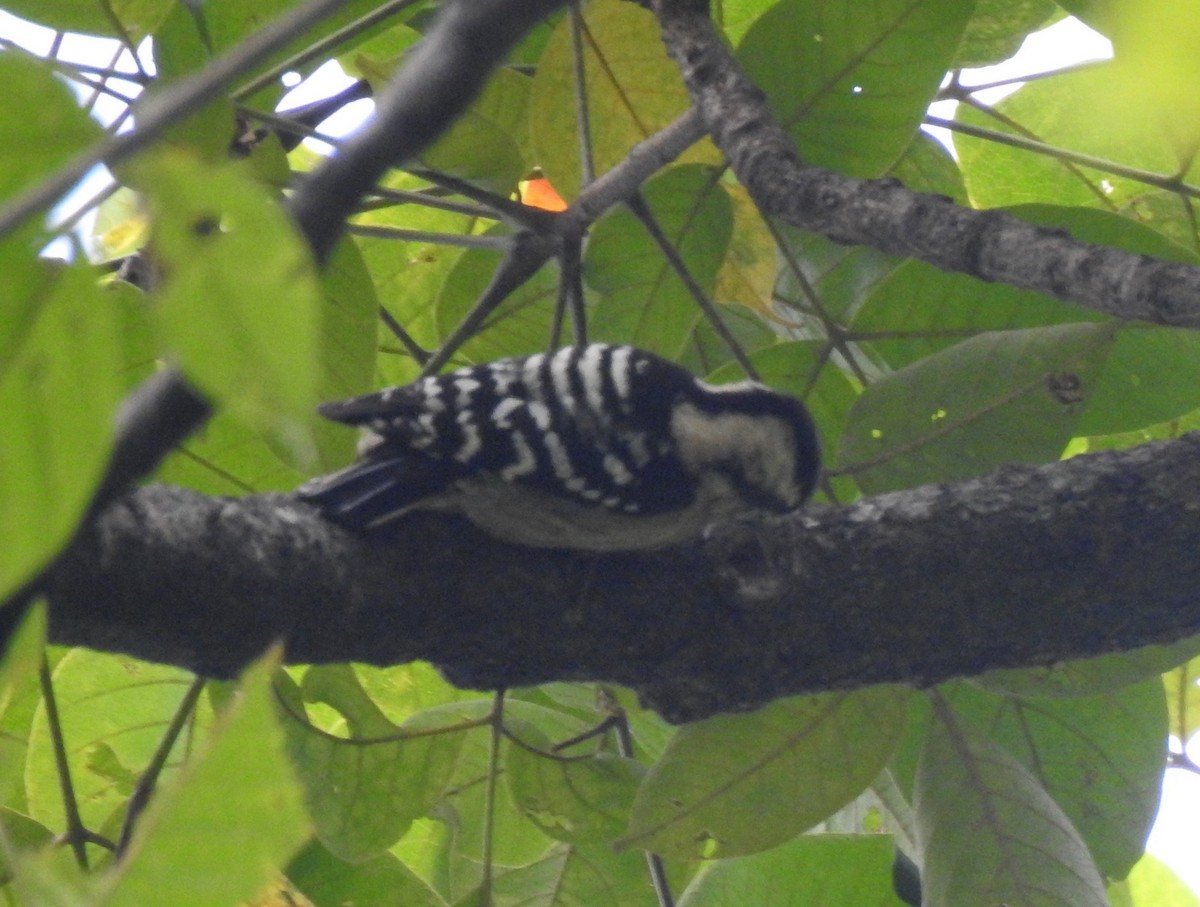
[(119, 18), (1099, 757), (60, 361), (521, 323), (1183, 699), (1153, 59), (383, 880), (808, 871), (577, 799), (633, 91), (642, 301), (1061, 111), (349, 316), (113, 712), (363, 793), (998, 28), (1154, 884), (1152, 374), (219, 832), (1149, 375), (989, 831), (1091, 676), (488, 144), (240, 299), (58, 131), (927, 166), (23, 655), (852, 87), (737, 784), (226, 456), (566, 876), (1010, 396)]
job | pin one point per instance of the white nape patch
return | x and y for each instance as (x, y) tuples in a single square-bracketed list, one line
[(472, 442), (525, 463), (559, 459), (619, 365), (465, 387), (617, 470), (560, 372), (593, 379), (762, 447), (504, 409), (531, 374), (541, 415)]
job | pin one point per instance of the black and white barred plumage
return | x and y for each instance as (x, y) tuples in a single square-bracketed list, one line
[(599, 448)]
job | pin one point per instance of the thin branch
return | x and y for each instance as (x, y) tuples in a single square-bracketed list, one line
[(76, 833)]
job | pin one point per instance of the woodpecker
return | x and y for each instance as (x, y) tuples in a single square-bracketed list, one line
[(595, 448)]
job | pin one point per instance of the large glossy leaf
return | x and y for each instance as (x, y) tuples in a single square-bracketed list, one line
[(61, 354), (998, 28), (1150, 374), (632, 89), (223, 828), (114, 711), (383, 880), (135, 18), (566, 876), (810, 871), (240, 301), (364, 790), (349, 325), (1003, 397), (519, 325), (18, 683), (1061, 112), (1091, 676), (573, 798), (1099, 757), (989, 831), (1183, 699), (642, 300), (738, 784), (852, 86), (56, 129)]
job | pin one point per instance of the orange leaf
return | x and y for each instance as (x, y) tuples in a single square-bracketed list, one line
[(538, 193)]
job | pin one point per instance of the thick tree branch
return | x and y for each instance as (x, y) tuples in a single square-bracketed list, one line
[(989, 245), (1026, 566)]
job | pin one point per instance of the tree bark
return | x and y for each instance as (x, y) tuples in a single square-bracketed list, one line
[(1027, 566)]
